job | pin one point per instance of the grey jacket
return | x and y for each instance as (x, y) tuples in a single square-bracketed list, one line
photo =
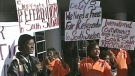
[(28, 68)]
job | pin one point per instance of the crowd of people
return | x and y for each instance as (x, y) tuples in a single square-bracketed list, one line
[(90, 60)]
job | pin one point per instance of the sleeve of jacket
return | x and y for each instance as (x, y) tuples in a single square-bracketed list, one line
[(107, 71), (13, 69)]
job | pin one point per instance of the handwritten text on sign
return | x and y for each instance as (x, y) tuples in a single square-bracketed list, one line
[(37, 15), (82, 24), (83, 4), (117, 34), (9, 35)]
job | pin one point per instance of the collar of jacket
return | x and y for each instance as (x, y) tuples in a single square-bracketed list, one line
[(21, 58)]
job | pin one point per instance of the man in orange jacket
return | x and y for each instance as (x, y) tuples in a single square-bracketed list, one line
[(93, 65), (55, 63)]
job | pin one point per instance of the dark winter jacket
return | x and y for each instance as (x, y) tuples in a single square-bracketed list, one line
[(28, 67)]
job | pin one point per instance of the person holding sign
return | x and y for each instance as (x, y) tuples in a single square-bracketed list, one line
[(83, 50), (55, 63), (24, 64), (93, 65), (122, 60)]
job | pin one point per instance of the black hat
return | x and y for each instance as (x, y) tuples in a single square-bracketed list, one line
[(22, 40)]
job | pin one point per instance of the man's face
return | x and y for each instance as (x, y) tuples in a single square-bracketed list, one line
[(84, 48), (107, 59), (95, 51), (29, 47), (50, 54)]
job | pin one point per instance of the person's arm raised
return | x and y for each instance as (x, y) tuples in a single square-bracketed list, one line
[(61, 59)]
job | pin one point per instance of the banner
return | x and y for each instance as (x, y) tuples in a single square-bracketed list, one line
[(83, 4), (37, 15), (82, 24), (9, 34), (117, 34)]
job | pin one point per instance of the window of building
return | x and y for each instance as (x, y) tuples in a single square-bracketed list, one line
[(40, 50)]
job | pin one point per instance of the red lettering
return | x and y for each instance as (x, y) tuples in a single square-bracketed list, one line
[(15, 49), (27, 6), (12, 50), (18, 2), (95, 14), (55, 10), (46, 13), (53, 22), (21, 28), (34, 26), (69, 25), (20, 14), (118, 24), (51, 11), (2, 34), (27, 16), (38, 14), (1, 50), (114, 43), (68, 16), (32, 12), (20, 20), (23, 6), (56, 21), (104, 26), (72, 5), (67, 37), (77, 25)]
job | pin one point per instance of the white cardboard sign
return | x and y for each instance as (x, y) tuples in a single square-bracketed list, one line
[(83, 4), (117, 34), (82, 24), (37, 15)]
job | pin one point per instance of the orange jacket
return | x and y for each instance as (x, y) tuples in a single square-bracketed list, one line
[(57, 69), (98, 68)]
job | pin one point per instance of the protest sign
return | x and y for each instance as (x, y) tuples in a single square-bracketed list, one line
[(37, 15), (82, 24), (83, 4), (117, 34), (9, 34)]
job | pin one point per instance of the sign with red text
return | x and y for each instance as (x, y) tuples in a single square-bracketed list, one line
[(82, 24), (83, 4), (37, 15), (9, 34), (117, 34)]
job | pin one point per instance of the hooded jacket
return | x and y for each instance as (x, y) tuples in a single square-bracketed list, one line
[(28, 67)]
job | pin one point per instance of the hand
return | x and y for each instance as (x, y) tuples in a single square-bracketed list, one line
[(112, 57), (111, 53), (46, 58), (58, 54), (46, 61)]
